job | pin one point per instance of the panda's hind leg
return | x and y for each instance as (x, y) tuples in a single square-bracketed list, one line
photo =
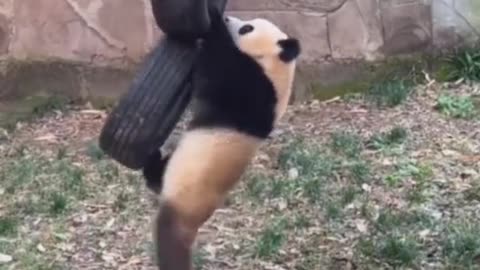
[(175, 234), (179, 217), (204, 168), (173, 240)]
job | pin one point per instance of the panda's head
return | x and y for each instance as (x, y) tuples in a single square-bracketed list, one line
[(263, 40)]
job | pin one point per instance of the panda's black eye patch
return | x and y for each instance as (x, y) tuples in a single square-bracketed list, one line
[(247, 28)]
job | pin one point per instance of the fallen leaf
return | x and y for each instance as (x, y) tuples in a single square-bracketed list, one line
[(48, 137), (293, 173), (41, 248), (361, 225), (4, 258)]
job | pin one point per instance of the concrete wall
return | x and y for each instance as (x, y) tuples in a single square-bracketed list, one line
[(117, 32), (94, 30)]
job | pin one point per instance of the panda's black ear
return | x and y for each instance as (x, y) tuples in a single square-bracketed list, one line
[(290, 49)]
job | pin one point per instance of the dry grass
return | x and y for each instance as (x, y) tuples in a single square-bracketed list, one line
[(342, 185)]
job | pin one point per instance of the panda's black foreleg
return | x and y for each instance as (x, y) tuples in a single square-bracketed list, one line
[(154, 169), (218, 38)]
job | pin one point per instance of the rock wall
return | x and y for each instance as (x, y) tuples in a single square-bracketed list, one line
[(113, 31), (118, 32)]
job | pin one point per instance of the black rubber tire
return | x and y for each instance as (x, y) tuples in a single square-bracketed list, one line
[(184, 19), (147, 114)]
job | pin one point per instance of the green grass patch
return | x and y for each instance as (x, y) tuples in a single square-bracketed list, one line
[(72, 178), (94, 151), (461, 246), (348, 195), (473, 193), (271, 239), (8, 226), (58, 203), (20, 172), (395, 136), (121, 201), (50, 104), (37, 184), (314, 167), (301, 221), (61, 153), (256, 185), (346, 143), (462, 64), (420, 173), (308, 262), (333, 210), (457, 106), (389, 220), (389, 93), (199, 259), (108, 171), (360, 172), (394, 250), (313, 189), (307, 158)]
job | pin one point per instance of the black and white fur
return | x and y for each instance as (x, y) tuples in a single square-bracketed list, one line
[(243, 82)]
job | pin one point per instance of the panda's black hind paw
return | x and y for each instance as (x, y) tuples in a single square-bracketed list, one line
[(154, 170)]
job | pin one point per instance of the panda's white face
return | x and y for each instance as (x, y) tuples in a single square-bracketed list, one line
[(258, 38), (272, 49)]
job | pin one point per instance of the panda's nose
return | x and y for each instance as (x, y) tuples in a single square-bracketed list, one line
[(227, 19)]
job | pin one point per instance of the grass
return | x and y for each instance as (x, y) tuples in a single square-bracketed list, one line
[(314, 168), (308, 262), (393, 241), (457, 106), (51, 183), (58, 204), (271, 239), (53, 103), (462, 64), (473, 193), (31, 108), (394, 137), (461, 246), (338, 198), (393, 220), (8, 226), (422, 175), (360, 172), (408, 169), (301, 221), (256, 185), (94, 151), (348, 195), (397, 250), (332, 210), (346, 143), (309, 159), (199, 259), (390, 93)]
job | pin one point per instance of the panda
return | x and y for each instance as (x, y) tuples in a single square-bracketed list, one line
[(243, 82)]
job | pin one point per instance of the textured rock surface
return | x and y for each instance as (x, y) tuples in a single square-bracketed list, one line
[(119, 32), (111, 32), (5, 26)]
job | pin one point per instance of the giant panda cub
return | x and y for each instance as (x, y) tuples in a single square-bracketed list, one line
[(243, 85)]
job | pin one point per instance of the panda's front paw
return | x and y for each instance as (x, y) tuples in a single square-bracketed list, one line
[(218, 25), (216, 16)]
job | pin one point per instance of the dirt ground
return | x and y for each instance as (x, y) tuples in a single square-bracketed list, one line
[(341, 184)]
